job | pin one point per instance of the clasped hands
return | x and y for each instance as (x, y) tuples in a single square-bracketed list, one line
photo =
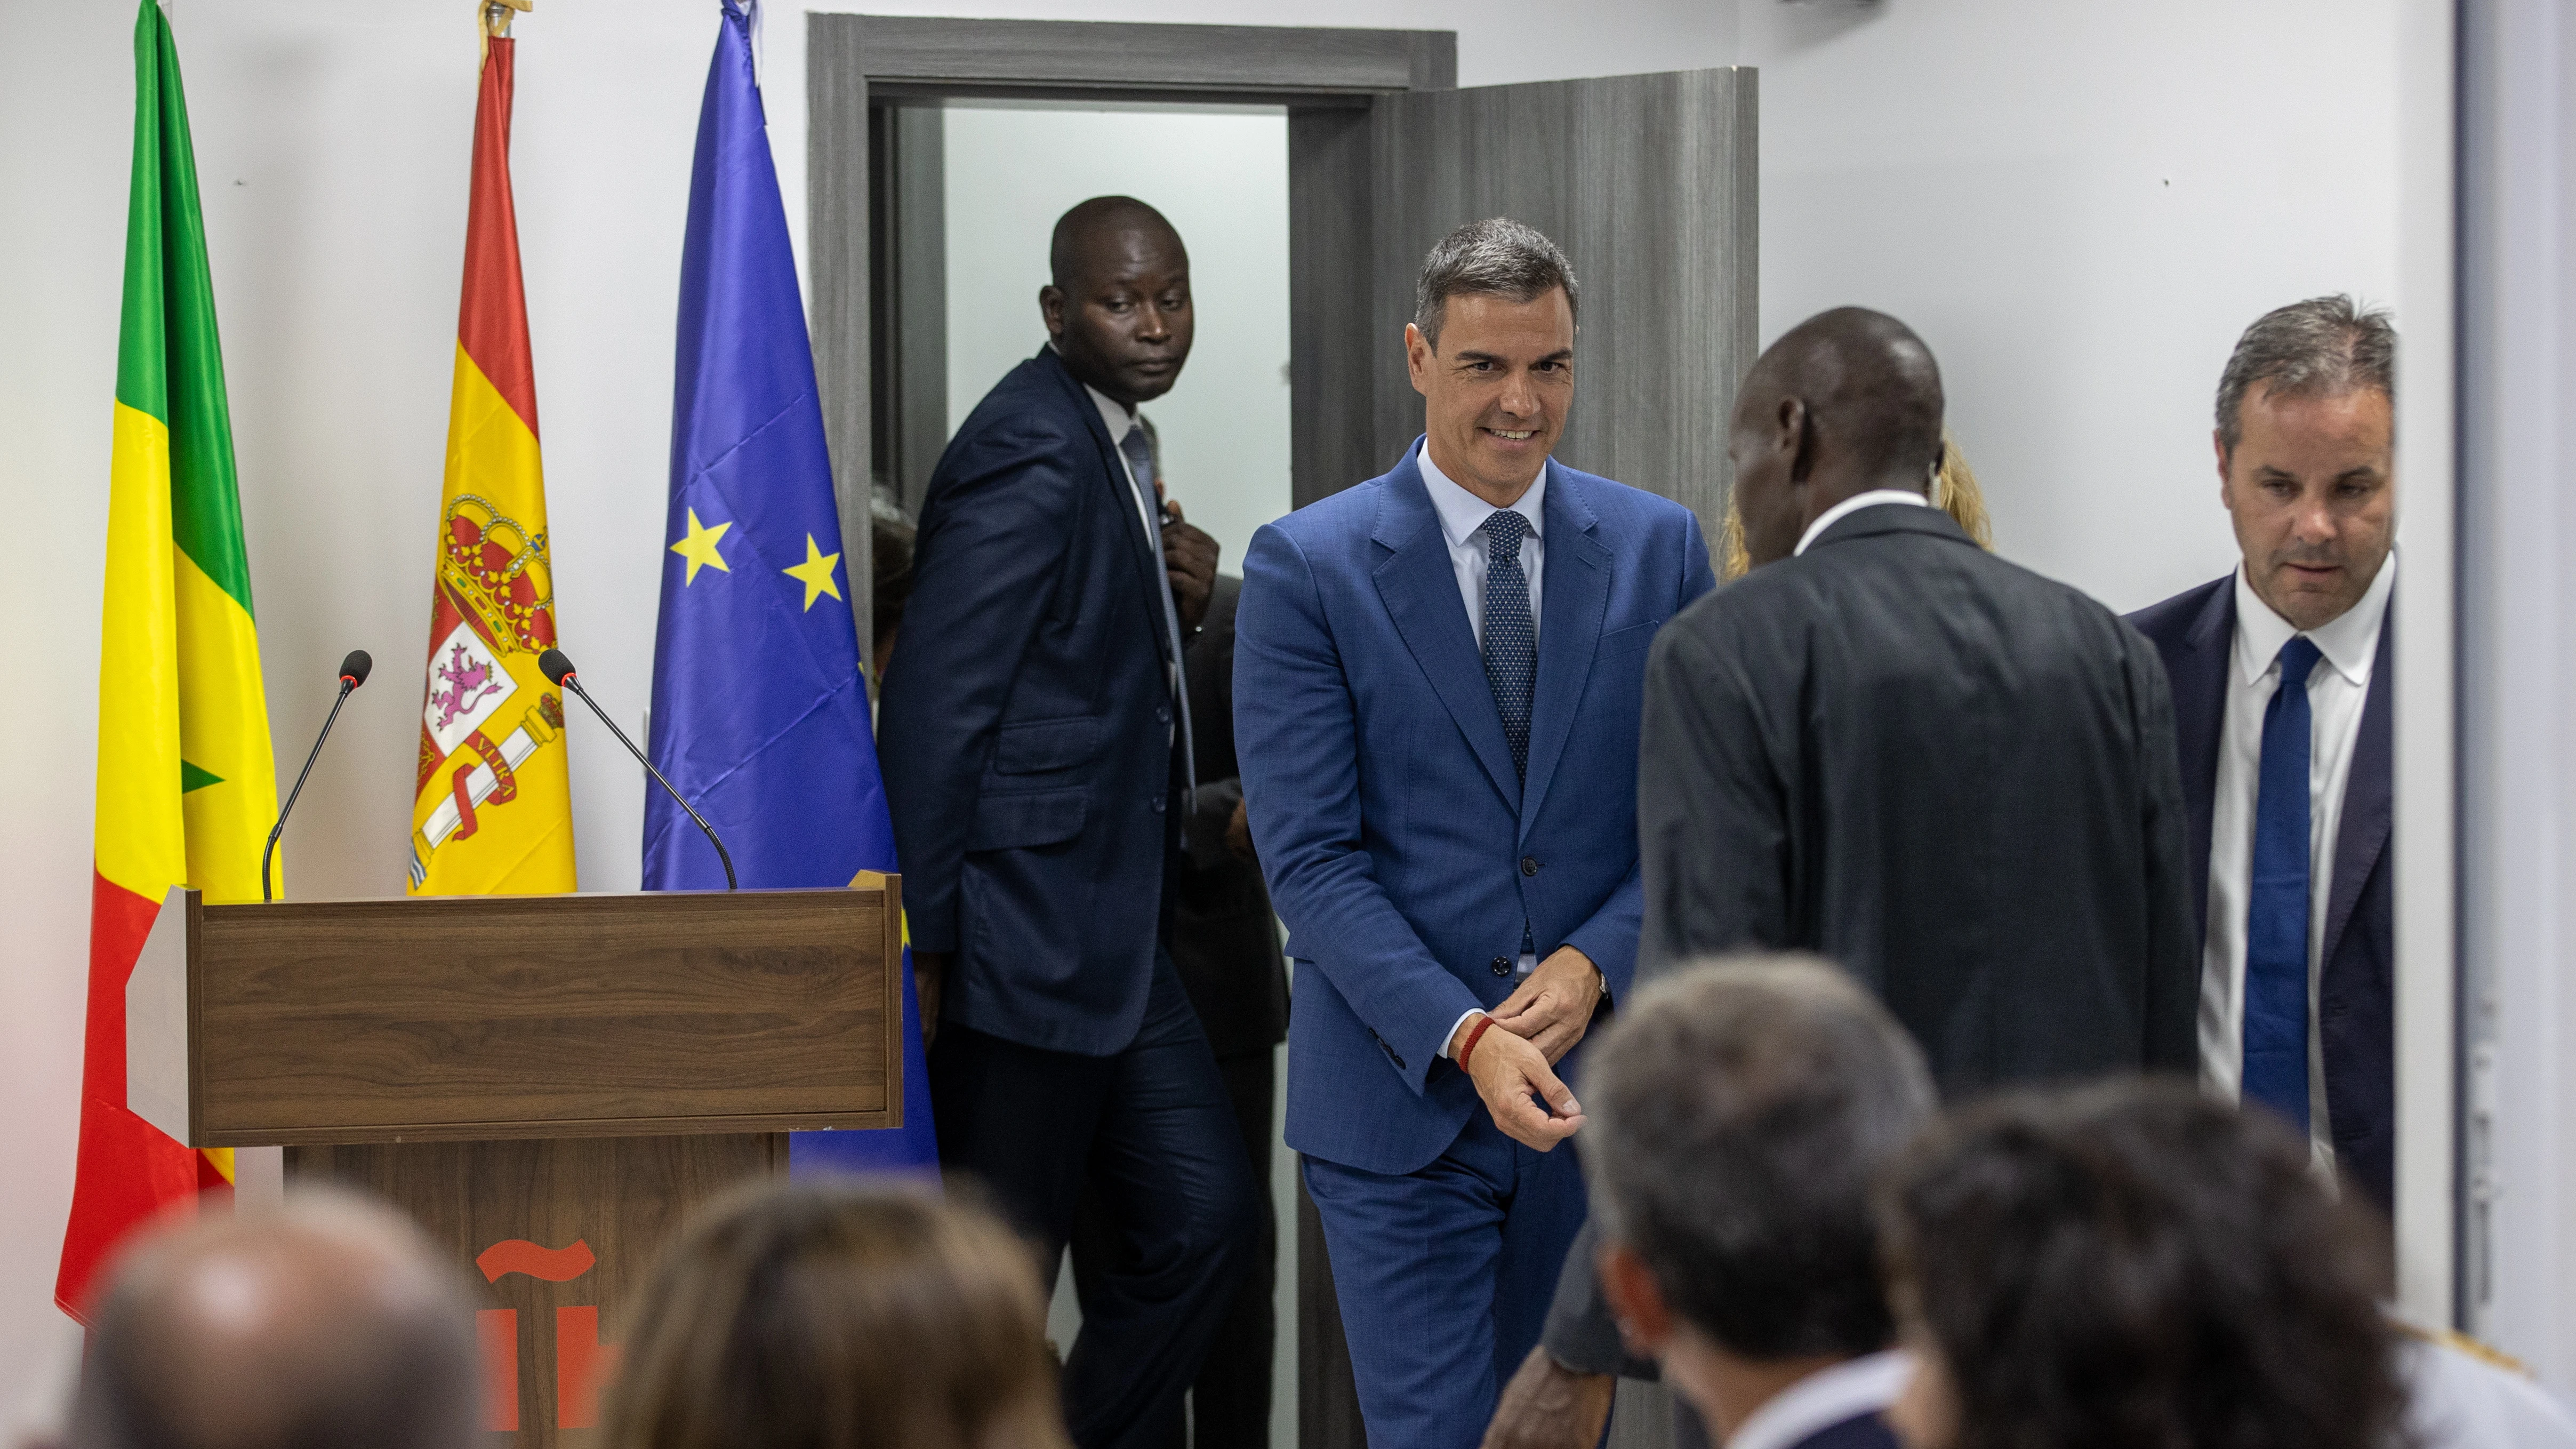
[(1530, 1033)]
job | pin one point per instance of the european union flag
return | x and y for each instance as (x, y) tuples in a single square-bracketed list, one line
[(760, 714)]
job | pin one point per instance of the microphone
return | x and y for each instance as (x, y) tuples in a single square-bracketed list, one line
[(353, 672), (557, 666)]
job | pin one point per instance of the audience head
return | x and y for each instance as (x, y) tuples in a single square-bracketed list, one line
[(1847, 402), (320, 1324), (837, 1316), (2307, 461), (2134, 1266), (1491, 350), (1119, 308), (1740, 1111)]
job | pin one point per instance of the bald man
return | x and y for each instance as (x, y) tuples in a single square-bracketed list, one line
[(1036, 742), (1948, 775), (322, 1324)]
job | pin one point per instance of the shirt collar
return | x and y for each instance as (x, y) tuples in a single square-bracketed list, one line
[(2349, 641), (1822, 1399), (1855, 504), (1463, 514), (1116, 416)]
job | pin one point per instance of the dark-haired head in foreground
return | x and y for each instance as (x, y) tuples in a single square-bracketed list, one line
[(322, 1324), (2134, 1266), (1739, 1112), (835, 1316)]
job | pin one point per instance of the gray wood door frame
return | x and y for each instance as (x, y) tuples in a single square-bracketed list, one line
[(858, 62)]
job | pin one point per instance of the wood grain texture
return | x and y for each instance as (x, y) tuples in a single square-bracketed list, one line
[(1649, 184), (547, 1016), (908, 361), (1233, 60), (836, 253), (620, 1197), (1333, 330)]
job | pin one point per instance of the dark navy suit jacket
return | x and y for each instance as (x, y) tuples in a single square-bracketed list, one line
[(1401, 848), (2195, 631), (1025, 728)]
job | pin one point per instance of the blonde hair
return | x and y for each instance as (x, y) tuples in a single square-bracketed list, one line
[(837, 1316), (1954, 492)]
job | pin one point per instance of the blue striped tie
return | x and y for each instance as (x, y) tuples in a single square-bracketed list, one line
[(1140, 464), (2276, 917), (1510, 640)]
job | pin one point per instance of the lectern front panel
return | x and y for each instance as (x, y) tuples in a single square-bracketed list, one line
[(500, 1017)]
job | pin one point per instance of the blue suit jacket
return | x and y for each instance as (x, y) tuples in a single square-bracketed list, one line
[(2195, 631), (1400, 848), (1025, 728)]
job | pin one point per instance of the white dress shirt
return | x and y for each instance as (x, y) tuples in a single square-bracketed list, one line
[(2337, 688), (1115, 416), (1462, 526), (1822, 1399), (1855, 504), (1462, 523)]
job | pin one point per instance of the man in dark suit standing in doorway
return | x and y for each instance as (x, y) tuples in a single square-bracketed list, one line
[(2281, 679), (1946, 774), (1036, 745)]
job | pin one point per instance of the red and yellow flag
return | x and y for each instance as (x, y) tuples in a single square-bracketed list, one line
[(492, 809), (186, 784)]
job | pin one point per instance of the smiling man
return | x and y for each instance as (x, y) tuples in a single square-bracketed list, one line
[(1036, 742), (2281, 685), (1437, 683)]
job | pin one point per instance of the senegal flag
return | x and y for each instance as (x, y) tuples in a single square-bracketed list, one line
[(492, 806), (186, 785)]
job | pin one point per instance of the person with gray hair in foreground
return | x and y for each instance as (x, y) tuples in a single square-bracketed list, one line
[(326, 1323), (1740, 1111)]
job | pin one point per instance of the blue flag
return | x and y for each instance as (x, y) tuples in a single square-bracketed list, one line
[(760, 714)]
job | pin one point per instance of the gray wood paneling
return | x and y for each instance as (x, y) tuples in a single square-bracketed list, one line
[(1061, 55), (836, 201), (1648, 183), (909, 292), (1334, 340)]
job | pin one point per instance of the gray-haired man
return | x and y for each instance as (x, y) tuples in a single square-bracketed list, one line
[(1739, 1113), (1437, 685), (2288, 790)]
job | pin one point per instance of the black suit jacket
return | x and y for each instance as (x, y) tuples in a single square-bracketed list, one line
[(2195, 631), (1026, 726), (1949, 775), (1224, 935)]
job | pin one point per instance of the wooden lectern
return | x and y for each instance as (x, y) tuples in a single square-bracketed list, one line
[(547, 1083)]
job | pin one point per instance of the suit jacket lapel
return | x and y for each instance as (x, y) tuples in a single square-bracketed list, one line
[(1419, 586), (1122, 503), (1574, 597), (2198, 674), (2363, 832)]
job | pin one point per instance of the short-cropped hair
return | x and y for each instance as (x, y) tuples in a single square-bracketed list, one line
[(1498, 257), (2135, 1266), (2320, 347), (1739, 1113), (833, 1315)]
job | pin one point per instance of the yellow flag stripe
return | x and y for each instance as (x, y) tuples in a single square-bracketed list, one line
[(223, 729), (141, 832), (490, 451)]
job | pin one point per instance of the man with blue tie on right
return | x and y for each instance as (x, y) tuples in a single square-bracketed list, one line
[(1438, 679), (2281, 688)]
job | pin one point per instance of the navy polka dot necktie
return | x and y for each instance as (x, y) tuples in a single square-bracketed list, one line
[(1510, 639)]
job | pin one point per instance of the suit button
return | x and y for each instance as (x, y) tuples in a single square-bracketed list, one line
[(1529, 865), (1502, 966), (1158, 804), (1162, 715)]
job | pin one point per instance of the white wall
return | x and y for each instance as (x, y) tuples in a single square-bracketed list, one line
[(1222, 180)]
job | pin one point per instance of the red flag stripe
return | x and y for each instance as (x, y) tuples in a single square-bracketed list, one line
[(492, 317)]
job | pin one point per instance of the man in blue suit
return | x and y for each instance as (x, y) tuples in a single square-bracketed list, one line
[(1437, 686), (2281, 686), (1036, 749)]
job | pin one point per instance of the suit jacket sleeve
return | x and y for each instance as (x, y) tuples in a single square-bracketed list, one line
[(1712, 814), (993, 544), (1297, 741), (2172, 949), (1609, 937)]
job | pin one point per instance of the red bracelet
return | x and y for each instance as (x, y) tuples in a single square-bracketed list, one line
[(1475, 1034)]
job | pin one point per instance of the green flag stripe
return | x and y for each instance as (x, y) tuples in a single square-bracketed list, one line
[(194, 777), (169, 352)]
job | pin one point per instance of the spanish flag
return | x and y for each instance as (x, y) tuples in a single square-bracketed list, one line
[(492, 808), (186, 784)]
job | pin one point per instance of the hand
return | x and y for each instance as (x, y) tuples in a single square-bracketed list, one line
[(1550, 1406), (929, 969), (1190, 556), (1508, 1072), (1238, 835), (1553, 1008)]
